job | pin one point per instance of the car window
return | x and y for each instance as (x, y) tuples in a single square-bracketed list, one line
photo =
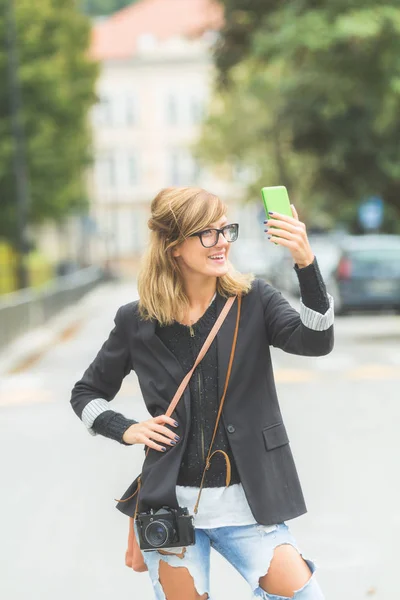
[(375, 262)]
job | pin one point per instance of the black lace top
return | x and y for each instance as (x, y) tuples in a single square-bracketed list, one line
[(185, 343)]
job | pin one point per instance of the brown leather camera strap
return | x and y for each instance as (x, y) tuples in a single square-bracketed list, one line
[(178, 394), (200, 356), (221, 404)]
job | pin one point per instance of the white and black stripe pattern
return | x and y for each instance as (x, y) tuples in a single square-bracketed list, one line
[(92, 410), (315, 320)]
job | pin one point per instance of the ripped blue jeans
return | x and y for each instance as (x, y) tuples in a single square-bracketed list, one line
[(248, 548)]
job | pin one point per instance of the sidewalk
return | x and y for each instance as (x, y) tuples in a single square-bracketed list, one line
[(29, 348)]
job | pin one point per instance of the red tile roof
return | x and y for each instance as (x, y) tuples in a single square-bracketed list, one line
[(116, 37)]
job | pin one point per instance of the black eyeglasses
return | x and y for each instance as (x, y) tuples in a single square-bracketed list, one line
[(210, 237)]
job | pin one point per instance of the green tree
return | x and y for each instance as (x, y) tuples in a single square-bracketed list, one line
[(242, 19), (245, 134), (97, 8), (57, 83), (326, 77)]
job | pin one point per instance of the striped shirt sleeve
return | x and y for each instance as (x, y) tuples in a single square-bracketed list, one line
[(92, 410), (315, 320)]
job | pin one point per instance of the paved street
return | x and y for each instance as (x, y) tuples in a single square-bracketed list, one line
[(62, 537)]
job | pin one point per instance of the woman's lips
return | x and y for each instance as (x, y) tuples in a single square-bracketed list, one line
[(218, 259)]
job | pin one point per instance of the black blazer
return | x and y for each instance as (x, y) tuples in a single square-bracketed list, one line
[(251, 414)]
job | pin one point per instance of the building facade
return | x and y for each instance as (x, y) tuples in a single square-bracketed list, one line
[(153, 91)]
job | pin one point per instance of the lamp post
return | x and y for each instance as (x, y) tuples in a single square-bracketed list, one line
[(19, 149)]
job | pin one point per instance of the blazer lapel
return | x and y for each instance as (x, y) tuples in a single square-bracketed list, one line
[(224, 342), (160, 351)]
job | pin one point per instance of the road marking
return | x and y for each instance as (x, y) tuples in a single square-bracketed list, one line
[(294, 375), (25, 397), (367, 372), (24, 389)]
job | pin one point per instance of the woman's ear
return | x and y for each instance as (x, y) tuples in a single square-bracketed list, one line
[(176, 252)]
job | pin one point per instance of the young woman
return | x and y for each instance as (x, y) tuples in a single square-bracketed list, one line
[(183, 285)]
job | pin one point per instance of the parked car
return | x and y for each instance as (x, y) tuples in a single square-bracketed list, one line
[(367, 275), (283, 275)]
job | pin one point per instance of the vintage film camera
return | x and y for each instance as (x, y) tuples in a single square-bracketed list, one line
[(165, 528)]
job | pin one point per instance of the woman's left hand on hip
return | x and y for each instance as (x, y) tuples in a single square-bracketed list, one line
[(291, 233)]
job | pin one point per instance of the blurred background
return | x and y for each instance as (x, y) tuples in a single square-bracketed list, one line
[(102, 104)]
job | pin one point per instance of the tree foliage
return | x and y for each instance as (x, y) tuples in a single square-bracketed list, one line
[(313, 97), (242, 20), (57, 84), (99, 8)]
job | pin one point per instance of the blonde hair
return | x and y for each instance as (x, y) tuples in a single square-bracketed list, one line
[(176, 213)]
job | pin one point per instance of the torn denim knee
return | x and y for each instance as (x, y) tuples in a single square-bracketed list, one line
[(309, 591), (267, 558), (174, 559)]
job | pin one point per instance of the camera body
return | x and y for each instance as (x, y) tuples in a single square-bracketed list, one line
[(165, 528)]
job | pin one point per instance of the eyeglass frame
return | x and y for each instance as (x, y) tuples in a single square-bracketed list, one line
[(200, 233)]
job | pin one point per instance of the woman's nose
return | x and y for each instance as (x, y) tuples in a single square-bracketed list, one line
[(222, 241)]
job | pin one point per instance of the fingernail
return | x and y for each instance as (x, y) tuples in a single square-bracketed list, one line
[(172, 443), (177, 438), (163, 449), (270, 213), (265, 222), (269, 237), (175, 424)]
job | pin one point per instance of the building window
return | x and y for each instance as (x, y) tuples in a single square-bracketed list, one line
[(110, 172), (103, 111), (196, 108), (174, 167), (130, 110), (116, 110), (172, 110), (133, 169), (105, 172), (197, 171), (183, 169)]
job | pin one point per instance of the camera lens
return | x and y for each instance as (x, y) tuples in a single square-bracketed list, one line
[(159, 533)]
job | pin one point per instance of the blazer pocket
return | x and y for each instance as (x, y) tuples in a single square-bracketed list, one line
[(275, 436)]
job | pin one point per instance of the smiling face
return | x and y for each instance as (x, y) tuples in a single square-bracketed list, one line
[(193, 259)]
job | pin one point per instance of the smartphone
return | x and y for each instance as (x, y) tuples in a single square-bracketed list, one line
[(276, 199)]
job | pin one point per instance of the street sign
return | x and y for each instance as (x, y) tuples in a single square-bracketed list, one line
[(370, 213)]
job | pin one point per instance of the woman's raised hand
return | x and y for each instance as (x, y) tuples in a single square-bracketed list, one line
[(291, 233), (152, 431)]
